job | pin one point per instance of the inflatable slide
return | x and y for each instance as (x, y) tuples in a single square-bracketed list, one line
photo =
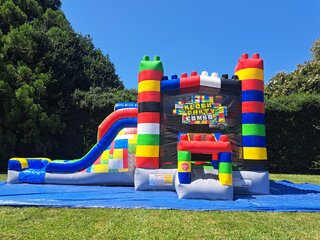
[(118, 131)]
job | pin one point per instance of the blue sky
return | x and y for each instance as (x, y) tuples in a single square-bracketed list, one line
[(198, 35)]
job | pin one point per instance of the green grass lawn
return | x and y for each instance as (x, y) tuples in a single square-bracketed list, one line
[(297, 178), (50, 223)]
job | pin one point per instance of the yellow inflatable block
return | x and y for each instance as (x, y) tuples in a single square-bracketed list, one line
[(225, 179), (105, 155), (184, 166), (147, 151), (100, 168), (23, 162), (117, 153), (254, 153), (250, 73), (133, 140), (149, 85)]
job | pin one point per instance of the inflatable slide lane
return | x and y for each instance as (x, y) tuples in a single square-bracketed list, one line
[(111, 161)]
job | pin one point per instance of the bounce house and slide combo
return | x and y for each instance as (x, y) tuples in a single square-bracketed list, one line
[(202, 136)]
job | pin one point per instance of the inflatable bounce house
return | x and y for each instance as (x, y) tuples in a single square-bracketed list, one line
[(202, 136)]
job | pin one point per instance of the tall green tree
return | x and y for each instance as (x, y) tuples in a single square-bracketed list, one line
[(306, 78), (44, 66)]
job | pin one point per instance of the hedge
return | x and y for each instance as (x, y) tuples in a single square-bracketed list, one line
[(293, 133)]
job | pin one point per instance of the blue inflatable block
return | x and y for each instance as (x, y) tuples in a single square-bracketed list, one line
[(225, 157), (256, 118), (184, 177), (32, 163), (14, 165), (121, 105), (121, 143), (217, 135), (32, 175), (215, 164), (37, 164), (169, 85), (252, 95), (254, 141)]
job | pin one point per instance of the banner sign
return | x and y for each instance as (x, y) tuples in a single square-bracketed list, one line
[(202, 109)]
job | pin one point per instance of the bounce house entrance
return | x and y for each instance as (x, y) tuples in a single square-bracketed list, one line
[(201, 110), (204, 144)]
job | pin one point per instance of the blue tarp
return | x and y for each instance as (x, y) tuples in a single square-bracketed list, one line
[(284, 196)]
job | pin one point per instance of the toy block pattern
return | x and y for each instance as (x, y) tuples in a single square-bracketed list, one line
[(250, 72), (203, 80), (148, 128), (120, 155)]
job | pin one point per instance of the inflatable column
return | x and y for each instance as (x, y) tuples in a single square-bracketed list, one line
[(250, 72), (184, 167), (148, 130)]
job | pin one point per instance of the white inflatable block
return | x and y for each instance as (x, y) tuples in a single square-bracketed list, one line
[(208, 81), (148, 128)]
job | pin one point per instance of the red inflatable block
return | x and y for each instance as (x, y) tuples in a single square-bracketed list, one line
[(252, 107), (189, 82), (150, 96), (252, 84), (224, 138), (149, 117), (147, 162), (210, 138), (197, 137), (246, 62), (150, 75), (125, 158), (204, 147), (215, 156), (184, 137)]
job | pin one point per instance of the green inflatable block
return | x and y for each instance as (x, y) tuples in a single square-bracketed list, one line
[(148, 139), (225, 167), (146, 64), (184, 156), (253, 130)]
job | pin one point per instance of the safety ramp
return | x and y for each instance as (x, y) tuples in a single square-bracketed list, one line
[(44, 170), (207, 186)]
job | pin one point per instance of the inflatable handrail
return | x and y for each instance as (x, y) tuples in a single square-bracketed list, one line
[(108, 121)]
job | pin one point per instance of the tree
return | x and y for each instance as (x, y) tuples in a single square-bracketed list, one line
[(292, 115), (306, 78), (44, 66)]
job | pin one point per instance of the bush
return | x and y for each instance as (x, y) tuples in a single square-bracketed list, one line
[(293, 133)]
